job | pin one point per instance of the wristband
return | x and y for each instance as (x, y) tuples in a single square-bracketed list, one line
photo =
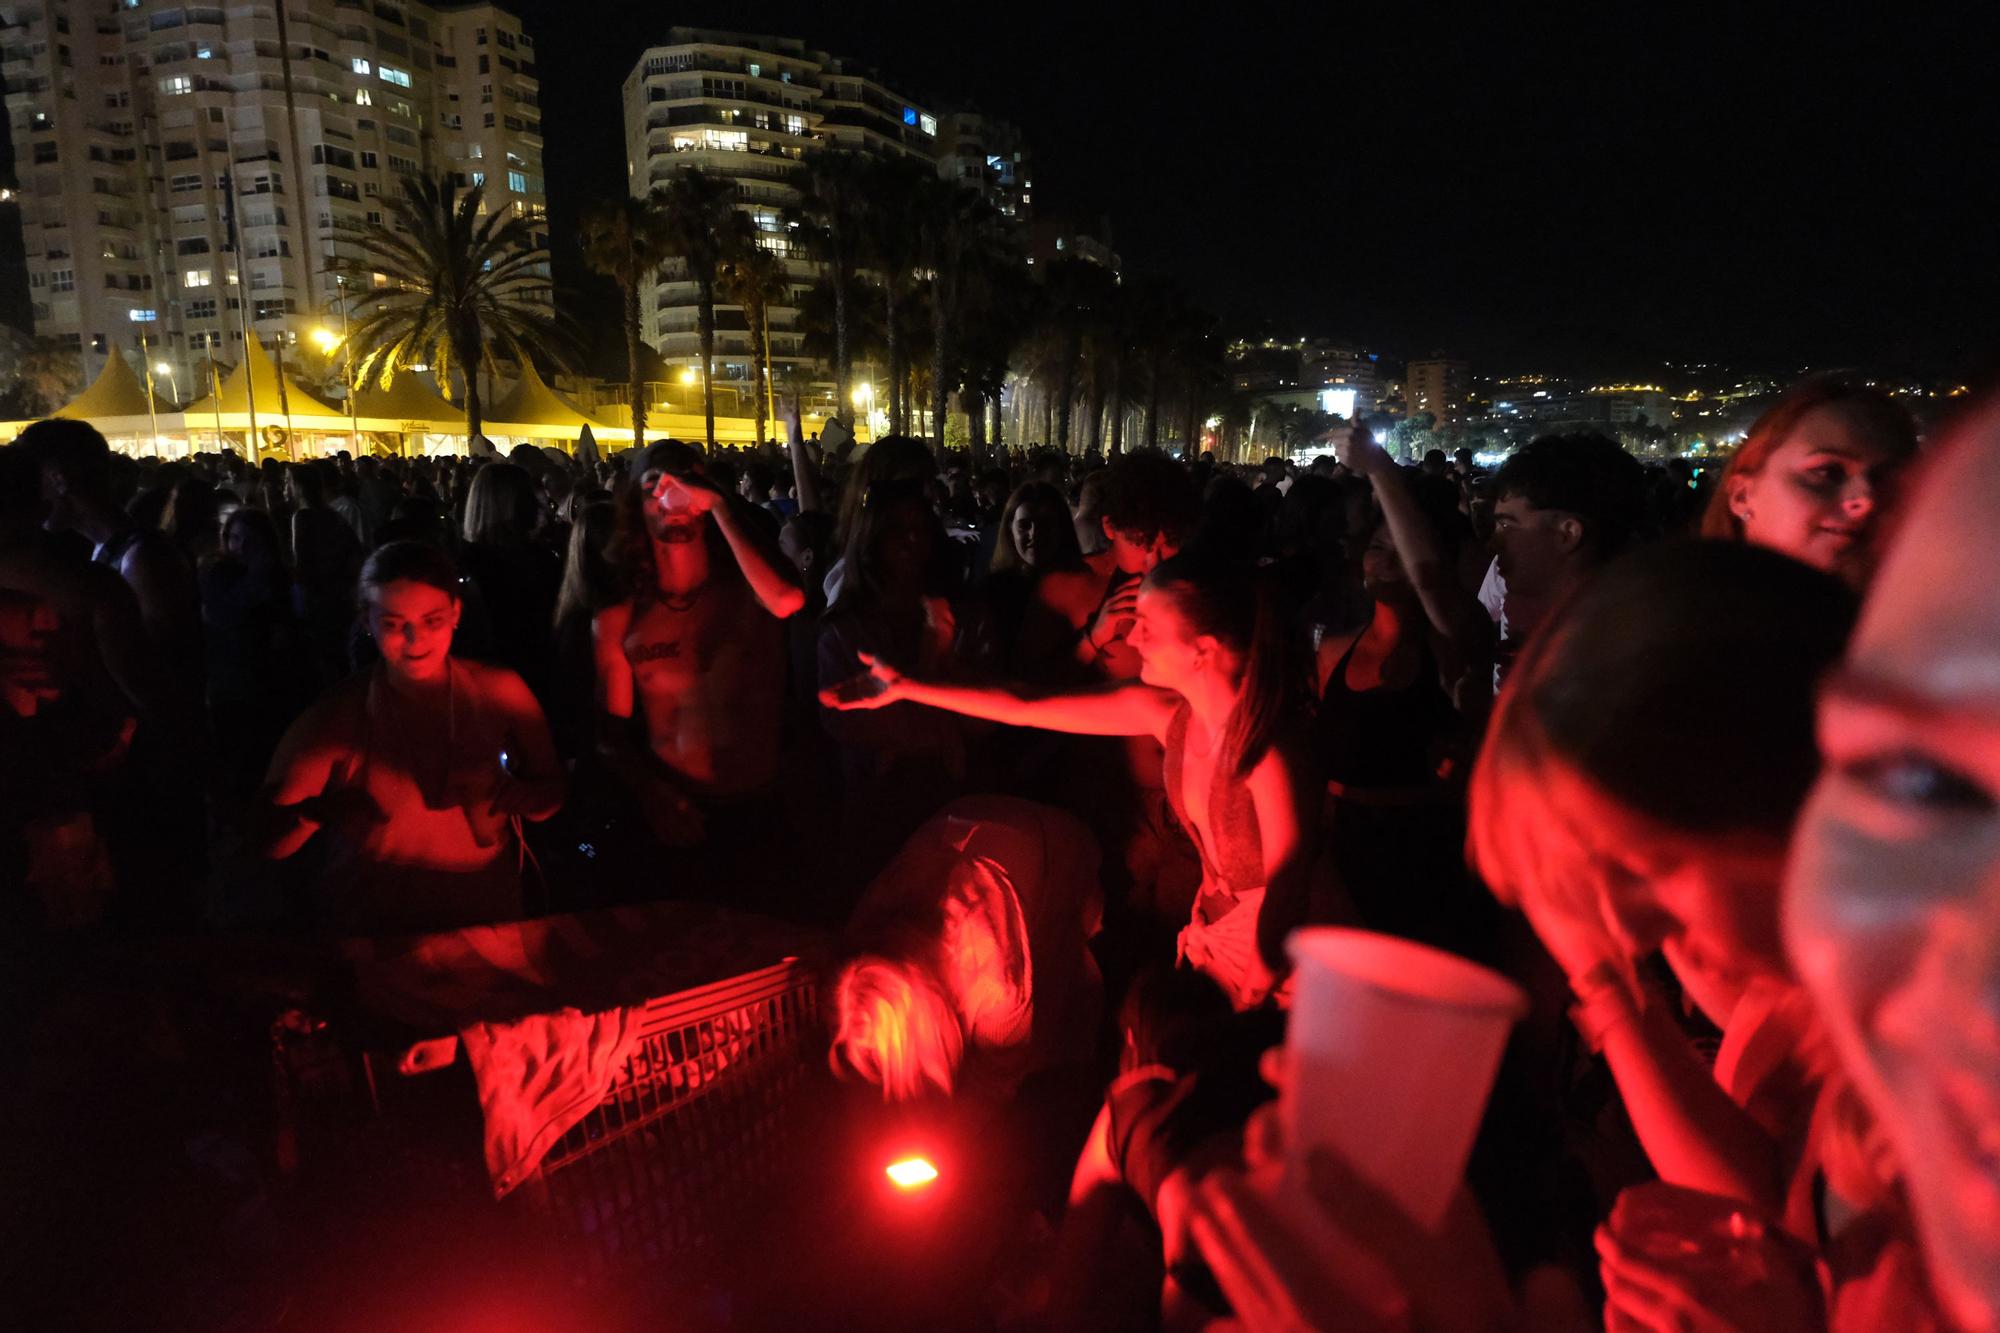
[(1603, 1002)]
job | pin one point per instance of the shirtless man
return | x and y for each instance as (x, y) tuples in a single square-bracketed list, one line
[(697, 653)]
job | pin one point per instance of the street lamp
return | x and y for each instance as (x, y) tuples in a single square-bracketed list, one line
[(326, 340), (167, 368), (864, 398)]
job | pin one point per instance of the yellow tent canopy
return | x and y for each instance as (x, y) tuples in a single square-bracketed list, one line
[(116, 392), (305, 411), (408, 404), (533, 410)]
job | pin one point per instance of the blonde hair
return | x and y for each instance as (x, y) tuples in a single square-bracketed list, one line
[(896, 1027)]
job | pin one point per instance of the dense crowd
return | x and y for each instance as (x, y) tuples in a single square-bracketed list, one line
[(1584, 720)]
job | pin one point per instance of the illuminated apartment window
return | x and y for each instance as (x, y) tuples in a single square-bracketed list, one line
[(517, 182), (175, 84), (362, 97), (197, 277), (360, 66), (390, 74)]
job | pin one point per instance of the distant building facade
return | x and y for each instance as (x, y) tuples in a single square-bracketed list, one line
[(1438, 387), (140, 126), (752, 109)]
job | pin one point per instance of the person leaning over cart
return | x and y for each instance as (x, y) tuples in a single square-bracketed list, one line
[(419, 770)]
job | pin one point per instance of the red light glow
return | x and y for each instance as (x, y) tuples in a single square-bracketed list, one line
[(912, 1173)]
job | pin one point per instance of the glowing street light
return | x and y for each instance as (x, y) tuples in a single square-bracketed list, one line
[(690, 375), (325, 339)]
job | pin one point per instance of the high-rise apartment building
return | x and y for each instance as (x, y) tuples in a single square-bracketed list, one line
[(1340, 367), (988, 154), (753, 108), (140, 126), (1437, 387)]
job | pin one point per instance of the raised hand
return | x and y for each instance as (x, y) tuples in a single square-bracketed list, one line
[(876, 687), (691, 494), (1360, 454)]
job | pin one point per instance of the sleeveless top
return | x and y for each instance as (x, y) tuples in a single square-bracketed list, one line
[(1235, 863), (1381, 738), (368, 889)]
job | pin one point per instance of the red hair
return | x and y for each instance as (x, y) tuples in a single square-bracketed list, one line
[(1889, 423)]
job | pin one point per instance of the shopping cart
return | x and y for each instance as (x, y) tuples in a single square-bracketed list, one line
[(699, 1120)]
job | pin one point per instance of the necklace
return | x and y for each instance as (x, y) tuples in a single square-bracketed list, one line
[(684, 601)]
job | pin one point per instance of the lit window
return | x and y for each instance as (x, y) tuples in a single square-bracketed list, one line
[(362, 97), (517, 182), (928, 124), (479, 178), (197, 277), (390, 74), (360, 65), (756, 71), (909, 115), (175, 84), (203, 53)]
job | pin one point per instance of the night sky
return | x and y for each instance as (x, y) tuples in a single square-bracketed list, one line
[(1587, 193)]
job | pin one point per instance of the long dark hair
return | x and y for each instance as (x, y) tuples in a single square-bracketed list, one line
[(1006, 556), (1225, 600), (861, 579), (590, 581)]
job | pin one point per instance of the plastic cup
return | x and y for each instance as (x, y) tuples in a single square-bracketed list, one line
[(1393, 1049)]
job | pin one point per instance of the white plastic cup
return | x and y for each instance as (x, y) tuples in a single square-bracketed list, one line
[(1393, 1050)]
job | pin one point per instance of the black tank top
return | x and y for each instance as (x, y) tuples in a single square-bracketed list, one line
[(1381, 738)]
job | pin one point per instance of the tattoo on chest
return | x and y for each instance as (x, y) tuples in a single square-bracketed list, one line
[(665, 650)]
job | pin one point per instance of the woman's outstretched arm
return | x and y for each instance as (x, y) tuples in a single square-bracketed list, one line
[(1126, 709)]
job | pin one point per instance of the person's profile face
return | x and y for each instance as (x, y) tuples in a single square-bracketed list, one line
[(1892, 896), (412, 624), (1160, 635), (1528, 543)]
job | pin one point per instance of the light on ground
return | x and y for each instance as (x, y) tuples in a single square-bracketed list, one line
[(912, 1173)]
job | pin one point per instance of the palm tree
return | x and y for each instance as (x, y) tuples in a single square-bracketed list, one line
[(1077, 292), (44, 372), (756, 280), (956, 231), (626, 240), (456, 288), (704, 229), (892, 248), (830, 219)]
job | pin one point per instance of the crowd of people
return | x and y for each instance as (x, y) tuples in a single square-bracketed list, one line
[(1704, 758)]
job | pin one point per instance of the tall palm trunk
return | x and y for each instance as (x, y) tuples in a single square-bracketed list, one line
[(1117, 405), (707, 326), (1191, 428), (974, 403), (632, 341), (940, 315), (759, 322), (1066, 393), (895, 358), (466, 347), (843, 366), (1153, 404)]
